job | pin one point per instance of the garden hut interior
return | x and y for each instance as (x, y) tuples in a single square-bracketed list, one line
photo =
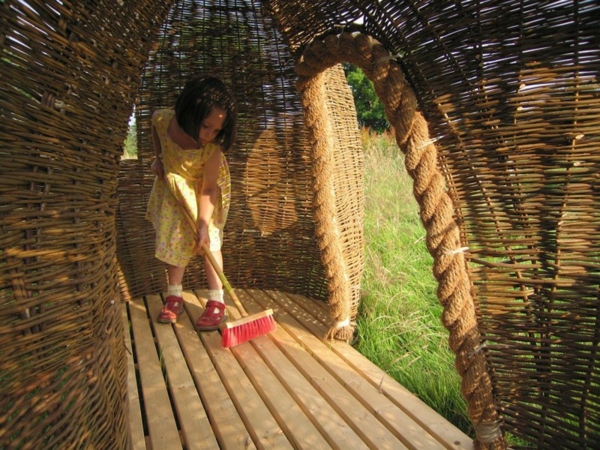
[(494, 105)]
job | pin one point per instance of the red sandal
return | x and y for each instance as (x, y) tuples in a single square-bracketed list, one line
[(213, 316), (170, 312)]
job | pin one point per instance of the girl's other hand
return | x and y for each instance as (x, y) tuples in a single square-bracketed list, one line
[(157, 168), (202, 236)]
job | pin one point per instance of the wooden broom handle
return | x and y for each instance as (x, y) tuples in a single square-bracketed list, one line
[(228, 288)]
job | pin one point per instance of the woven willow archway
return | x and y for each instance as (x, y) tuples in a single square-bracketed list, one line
[(443, 240)]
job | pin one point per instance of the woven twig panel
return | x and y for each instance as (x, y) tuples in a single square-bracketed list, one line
[(511, 90), (511, 94), (68, 76), (269, 237)]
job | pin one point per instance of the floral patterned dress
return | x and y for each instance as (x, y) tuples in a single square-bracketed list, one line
[(173, 204)]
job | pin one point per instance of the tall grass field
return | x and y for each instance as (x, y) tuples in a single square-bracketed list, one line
[(399, 325)]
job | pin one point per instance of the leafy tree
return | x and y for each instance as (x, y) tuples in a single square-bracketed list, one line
[(369, 109)]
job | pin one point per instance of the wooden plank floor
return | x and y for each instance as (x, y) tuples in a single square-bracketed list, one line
[(290, 389)]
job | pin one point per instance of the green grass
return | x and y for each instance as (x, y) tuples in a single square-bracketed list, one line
[(130, 144), (399, 325)]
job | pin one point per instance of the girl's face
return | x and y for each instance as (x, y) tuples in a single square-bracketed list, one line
[(212, 125)]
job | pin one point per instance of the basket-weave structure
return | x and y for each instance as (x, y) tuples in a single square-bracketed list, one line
[(495, 105)]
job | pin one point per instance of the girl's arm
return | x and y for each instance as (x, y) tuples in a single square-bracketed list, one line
[(157, 167), (208, 196)]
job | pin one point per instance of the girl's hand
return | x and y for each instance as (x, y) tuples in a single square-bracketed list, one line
[(202, 235), (158, 169)]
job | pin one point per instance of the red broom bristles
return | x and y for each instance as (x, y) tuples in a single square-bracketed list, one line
[(247, 328)]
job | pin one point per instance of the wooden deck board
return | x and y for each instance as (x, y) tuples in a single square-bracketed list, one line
[(404, 400), (290, 389), (228, 427), (260, 423), (193, 420), (379, 407), (136, 425), (365, 424), (160, 419)]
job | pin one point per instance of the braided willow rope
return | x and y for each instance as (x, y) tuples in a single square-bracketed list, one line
[(443, 239)]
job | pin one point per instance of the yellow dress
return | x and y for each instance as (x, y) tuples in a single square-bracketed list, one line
[(173, 204)]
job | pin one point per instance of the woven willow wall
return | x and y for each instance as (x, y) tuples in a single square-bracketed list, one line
[(510, 91), (68, 77), (494, 103)]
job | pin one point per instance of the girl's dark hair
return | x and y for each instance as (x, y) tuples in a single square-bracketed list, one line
[(194, 104)]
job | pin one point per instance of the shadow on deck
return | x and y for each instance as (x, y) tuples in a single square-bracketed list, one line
[(290, 389)]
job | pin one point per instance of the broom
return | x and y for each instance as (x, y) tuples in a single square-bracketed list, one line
[(249, 326)]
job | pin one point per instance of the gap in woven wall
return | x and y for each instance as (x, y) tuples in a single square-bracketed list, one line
[(130, 149), (370, 112)]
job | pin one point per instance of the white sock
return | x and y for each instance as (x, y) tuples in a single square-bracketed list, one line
[(217, 296), (175, 289)]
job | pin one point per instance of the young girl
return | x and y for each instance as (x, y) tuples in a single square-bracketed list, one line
[(190, 198)]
